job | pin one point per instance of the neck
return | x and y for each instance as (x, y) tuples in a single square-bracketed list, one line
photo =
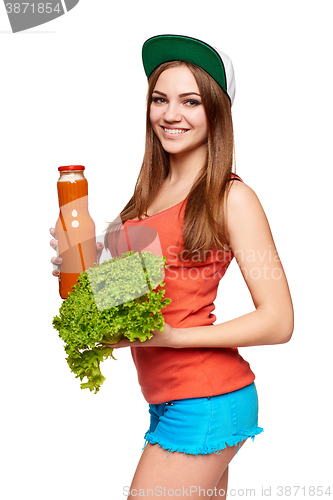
[(184, 167)]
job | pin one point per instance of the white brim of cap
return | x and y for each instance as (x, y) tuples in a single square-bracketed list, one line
[(229, 73)]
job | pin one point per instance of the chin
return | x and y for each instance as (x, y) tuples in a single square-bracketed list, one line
[(174, 151)]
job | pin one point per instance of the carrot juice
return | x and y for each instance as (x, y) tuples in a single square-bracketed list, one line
[(75, 229)]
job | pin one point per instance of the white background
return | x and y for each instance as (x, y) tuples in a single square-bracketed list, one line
[(73, 92)]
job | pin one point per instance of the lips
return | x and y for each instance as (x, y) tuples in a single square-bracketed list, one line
[(174, 131)]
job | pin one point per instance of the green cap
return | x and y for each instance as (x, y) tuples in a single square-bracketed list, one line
[(164, 48)]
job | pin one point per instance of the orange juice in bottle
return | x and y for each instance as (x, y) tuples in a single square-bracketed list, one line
[(75, 229)]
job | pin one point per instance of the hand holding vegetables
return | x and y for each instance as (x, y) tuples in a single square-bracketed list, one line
[(169, 337), (110, 302)]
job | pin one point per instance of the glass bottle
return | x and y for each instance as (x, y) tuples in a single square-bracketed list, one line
[(75, 229)]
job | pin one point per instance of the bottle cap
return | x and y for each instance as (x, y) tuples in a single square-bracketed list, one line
[(72, 167)]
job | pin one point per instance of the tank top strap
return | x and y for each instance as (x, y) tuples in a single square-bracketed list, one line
[(234, 177)]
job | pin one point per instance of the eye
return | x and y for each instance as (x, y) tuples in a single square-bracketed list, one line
[(158, 100), (192, 102)]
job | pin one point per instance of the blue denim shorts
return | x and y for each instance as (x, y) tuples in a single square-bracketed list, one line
[(205, 425)]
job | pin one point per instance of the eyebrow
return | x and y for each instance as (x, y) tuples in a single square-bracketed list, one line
[(180, 95)]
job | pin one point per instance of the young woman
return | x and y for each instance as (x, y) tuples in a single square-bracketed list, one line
[(201, 393)]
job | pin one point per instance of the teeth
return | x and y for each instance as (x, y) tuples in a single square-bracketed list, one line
[(174, 130)]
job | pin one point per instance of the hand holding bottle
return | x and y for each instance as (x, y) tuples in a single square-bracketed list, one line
[(56, 261)]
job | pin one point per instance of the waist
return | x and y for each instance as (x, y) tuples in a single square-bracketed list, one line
[(166, 374)]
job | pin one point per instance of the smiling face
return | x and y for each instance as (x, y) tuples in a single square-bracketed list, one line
[(177, 114)]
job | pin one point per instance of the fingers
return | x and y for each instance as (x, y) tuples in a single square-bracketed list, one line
[(53, 242), (56, 261), (121, 343), (99, 250)]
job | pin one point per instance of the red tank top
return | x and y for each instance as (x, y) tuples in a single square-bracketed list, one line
[(166, 374)]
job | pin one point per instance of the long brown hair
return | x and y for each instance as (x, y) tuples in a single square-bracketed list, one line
[(204, 218)]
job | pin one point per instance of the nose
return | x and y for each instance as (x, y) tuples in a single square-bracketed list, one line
[(172, 113)]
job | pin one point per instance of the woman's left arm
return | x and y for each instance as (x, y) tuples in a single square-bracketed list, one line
[(252, 244)]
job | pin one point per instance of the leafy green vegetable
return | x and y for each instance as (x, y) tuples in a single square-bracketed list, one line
[(110, 301)]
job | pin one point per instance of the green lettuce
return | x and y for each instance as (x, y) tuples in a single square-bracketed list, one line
[(111, 301)]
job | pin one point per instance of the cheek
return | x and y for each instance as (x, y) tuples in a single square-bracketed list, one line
[(153, 115), (199, 121), (202, 126)]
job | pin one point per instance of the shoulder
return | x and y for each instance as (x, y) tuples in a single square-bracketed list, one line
[(243, 209), (240, 196)]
